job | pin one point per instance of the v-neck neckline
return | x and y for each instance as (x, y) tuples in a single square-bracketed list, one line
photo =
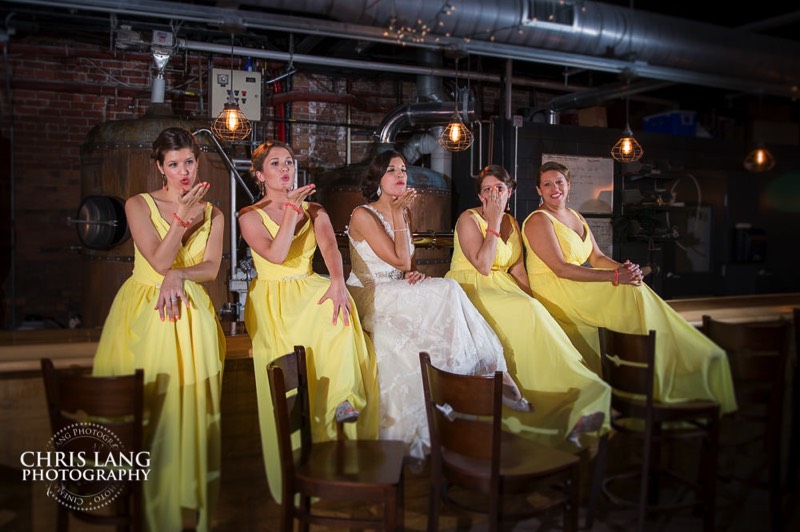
[(585, 228)]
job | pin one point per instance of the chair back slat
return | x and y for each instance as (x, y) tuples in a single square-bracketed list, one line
[(460, 405), (628, 361), (451, 433), (757, 351)]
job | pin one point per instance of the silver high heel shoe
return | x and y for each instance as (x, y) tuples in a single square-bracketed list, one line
[(514, 400)]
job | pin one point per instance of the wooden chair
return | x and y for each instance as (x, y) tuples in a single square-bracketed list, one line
[(628, 367), (362, 471), (758, 354), (469, 450), (114, 407)]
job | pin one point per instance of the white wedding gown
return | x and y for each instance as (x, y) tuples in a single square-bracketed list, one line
[(402, 319)]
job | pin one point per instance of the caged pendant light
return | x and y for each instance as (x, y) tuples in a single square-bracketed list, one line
[(456, 136), (759, 160), (231, 124), (627, 149)]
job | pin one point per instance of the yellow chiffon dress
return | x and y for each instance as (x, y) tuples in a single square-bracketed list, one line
[(540, 357), (688, 364), (183, 363), (282, 311)]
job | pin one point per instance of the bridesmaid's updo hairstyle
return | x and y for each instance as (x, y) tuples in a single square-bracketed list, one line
[(260, 154), (377, 169), (552, 165), (174, 138), (495, 170)]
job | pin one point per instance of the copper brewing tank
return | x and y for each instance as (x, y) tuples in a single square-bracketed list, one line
[(115, 165), (339, 191)]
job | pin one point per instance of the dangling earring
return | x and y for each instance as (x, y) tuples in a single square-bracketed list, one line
[(164, 181), (541, 200), (379, 191), (262, 187)]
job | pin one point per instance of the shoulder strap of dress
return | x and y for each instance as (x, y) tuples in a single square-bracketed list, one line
[(151, 203), (552, 218), (373, 210), (477, 217), (377, 213), (207, 212), (262, 213)]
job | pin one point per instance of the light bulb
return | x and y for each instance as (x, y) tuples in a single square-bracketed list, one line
[(626, 146), (455, 132), (232, 121), (760, 157)]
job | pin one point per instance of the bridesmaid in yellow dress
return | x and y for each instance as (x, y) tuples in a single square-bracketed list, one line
[(612, 295), (163, 321), (288, 304), (569, 400)]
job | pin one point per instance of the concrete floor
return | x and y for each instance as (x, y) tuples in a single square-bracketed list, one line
[(247, 506)]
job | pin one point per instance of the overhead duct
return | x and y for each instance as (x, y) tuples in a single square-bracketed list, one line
[(611, 35), (585, 34), (429, 87), (426, 113)]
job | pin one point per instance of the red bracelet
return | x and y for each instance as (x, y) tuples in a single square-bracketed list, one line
[(616, 278), (183, 224), (492, 231), (294, 207)]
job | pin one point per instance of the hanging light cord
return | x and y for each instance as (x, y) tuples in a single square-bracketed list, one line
[(230, 97)]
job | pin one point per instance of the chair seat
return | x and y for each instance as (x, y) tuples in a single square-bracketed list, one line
[(520, 460), (667, 412), (350, 465)]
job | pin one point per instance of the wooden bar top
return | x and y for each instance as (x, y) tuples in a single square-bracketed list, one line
[(737, 309), (20, 351)]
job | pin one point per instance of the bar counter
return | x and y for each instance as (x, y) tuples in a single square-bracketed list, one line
[(26, 425), (20, 351)]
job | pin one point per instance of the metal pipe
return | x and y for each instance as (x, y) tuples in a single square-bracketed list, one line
[(584, 34), (508, 87), (416, 113), (227, 160)]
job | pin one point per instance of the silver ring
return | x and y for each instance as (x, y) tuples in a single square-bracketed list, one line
[(173, 299)]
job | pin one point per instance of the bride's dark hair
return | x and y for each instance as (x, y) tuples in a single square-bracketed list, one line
[(377, 168)]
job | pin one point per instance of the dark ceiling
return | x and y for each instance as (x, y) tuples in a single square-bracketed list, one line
[(316, 34)]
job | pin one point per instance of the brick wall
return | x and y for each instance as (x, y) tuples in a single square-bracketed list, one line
[(61, 90)]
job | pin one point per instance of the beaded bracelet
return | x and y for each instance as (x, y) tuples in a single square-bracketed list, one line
[(616, 278), (183, 224), (294, 207), (492, 231)]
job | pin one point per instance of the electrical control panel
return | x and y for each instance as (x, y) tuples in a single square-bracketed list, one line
[(244, 86)]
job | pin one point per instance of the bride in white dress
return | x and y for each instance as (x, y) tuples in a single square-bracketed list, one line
[(406, 312)]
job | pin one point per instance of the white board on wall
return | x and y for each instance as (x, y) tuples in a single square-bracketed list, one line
[(603, 232), (592, 184)]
